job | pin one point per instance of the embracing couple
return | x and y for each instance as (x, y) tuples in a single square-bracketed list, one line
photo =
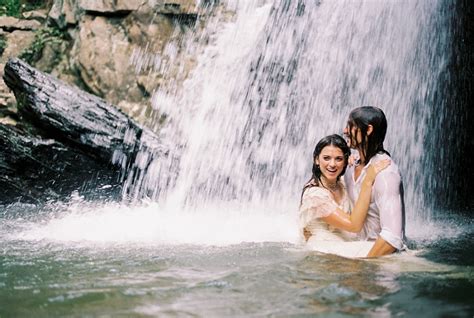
[(349, 207)]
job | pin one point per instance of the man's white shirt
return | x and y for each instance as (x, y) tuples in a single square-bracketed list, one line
[(386, 211)]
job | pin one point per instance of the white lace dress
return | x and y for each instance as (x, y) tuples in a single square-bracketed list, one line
[(317, 202)]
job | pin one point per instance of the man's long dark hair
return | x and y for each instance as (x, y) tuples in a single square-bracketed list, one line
[(361, 118), (331, 140)]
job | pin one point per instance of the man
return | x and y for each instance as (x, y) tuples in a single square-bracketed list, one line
[(385, 223)]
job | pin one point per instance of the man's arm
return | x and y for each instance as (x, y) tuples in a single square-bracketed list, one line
[(381, 248), (388, 195)]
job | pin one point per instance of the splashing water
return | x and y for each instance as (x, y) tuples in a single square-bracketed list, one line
[(279, 76), (82, 223), (271, 80)]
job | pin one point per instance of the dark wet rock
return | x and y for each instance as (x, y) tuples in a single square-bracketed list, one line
[(34, 169), (74, 116), (80, 134)]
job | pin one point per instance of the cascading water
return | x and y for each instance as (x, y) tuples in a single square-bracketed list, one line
[(277, 78)]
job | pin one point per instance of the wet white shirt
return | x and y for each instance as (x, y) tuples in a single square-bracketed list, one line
[(386, 211)]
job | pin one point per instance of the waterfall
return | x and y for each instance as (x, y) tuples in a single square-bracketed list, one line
[(272, 78)]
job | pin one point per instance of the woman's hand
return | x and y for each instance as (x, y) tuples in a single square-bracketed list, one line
[(374, 168), (351, 160), (354, 159)]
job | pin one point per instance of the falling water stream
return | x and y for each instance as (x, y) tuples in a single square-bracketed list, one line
[(211, 230)]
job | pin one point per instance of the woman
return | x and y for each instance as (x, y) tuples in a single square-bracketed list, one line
[(324, 203)]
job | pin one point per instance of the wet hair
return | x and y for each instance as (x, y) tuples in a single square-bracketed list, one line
[(361, 118), (331, 140)]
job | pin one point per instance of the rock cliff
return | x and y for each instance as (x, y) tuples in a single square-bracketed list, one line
[(118, 50)]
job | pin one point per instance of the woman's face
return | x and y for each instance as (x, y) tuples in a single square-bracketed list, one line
[(331, 162)]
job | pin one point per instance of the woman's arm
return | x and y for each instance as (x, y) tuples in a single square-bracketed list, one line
[(355, 221)]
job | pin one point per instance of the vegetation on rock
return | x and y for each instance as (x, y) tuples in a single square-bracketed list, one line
[(44, 36), (15, 8)]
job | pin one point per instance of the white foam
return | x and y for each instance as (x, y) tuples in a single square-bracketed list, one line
[(151, 224)]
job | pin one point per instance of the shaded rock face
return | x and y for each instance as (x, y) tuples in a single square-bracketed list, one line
[(15, 35), (34, 169), (17, 41)]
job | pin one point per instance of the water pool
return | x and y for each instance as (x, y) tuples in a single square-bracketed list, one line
[(48, 271)]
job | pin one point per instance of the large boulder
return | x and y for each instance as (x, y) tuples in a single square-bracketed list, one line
[(79, 118), (71, 127)]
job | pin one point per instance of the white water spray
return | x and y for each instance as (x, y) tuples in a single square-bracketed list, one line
[(279, 76), (270, 81)]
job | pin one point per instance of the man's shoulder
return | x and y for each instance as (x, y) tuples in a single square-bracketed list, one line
[(393, 168)]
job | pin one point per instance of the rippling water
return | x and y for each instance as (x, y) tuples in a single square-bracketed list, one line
[(63, 260)]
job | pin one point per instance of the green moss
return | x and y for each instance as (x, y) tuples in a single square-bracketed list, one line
[(15, 8), (50, 35), (10, 8)]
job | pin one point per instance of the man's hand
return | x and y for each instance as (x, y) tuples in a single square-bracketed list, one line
[(380, 248), (307, 234)]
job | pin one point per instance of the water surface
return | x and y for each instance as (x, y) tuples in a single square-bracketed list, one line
[(54, 262)]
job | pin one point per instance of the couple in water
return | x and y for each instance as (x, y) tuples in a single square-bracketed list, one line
[(354, 208)]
